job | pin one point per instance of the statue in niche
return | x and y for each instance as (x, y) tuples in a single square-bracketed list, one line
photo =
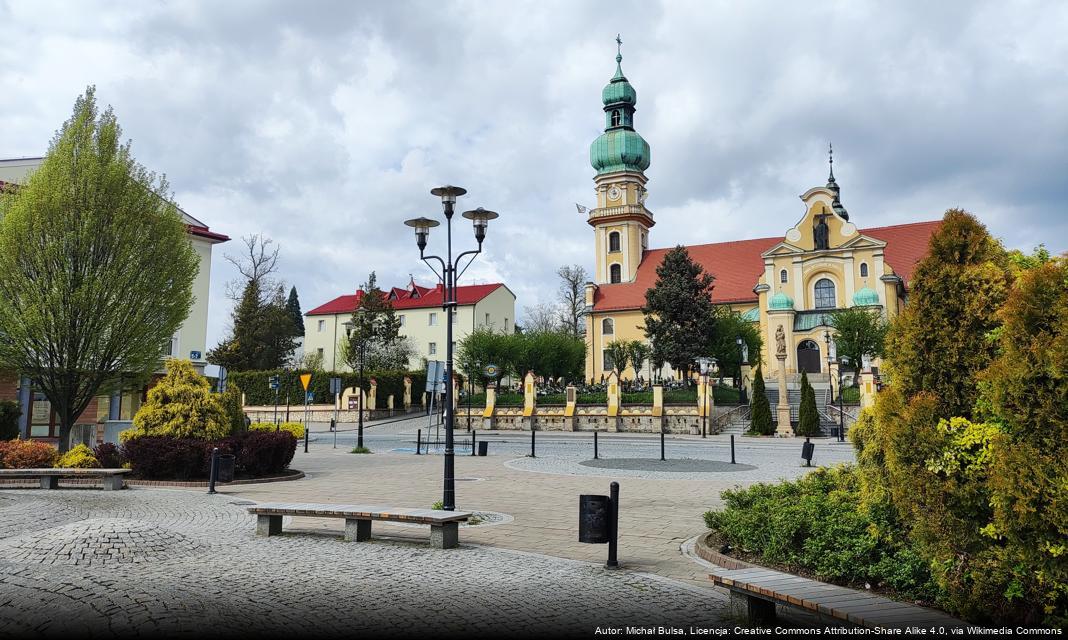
[(780, 342), (821, 232)]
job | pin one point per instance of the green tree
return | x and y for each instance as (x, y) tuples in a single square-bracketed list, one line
[(938, 343), (484, 346), (859, 332), (808, 423), (96, 269), (679, 319), (729, 326), (618, 353), (760, 408), (293, 307), (637, 353), (375, 325), (181, 405)]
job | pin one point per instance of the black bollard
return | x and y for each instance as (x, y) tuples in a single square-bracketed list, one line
[(732, 448), (532, 440), (472, 442), (418, 441), (613, 525), (214, 469), (661, 445), (595, 445), (306, 430)]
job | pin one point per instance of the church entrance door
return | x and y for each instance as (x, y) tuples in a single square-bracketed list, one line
[(808, 357)]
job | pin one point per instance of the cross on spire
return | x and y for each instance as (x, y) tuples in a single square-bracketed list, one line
[(619, 48), (830, 160)]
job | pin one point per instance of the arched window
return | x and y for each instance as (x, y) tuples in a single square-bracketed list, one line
[(606, 358), (613, 241), (863, 269), (608, 327), (615, 117), (782, 276), (825, 298), (615, 274)]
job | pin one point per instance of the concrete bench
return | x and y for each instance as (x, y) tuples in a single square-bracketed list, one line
[(50, 477), (444, 525), (766, 589)]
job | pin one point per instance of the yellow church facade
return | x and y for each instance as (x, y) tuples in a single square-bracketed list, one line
[(823, 262)]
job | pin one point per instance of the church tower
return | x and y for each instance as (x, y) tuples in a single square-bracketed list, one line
[(620, 221)]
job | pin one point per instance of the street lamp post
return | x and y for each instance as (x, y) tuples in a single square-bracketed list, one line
[(842, 361), (480, 219), (830, 360), (359, 384)]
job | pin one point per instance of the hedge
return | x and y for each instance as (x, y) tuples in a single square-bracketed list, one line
[(256, 385), (163, 458), (296, 428)]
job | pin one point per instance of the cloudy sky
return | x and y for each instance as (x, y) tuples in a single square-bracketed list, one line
[(324, 125)]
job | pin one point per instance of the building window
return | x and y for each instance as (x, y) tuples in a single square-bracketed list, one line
[(433, 348), (319, 352), (608, 327), (615, 274), (401, 317), (433, 319), (615, 117), (506, 325), (455, 317), (613, 241), (487, 320), (607, 359), (825, 294), (322, 325), (782, 276), (863, 269)]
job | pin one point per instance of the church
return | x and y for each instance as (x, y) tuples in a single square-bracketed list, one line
[(787, 284)]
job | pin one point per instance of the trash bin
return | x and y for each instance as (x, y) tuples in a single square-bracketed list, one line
[(483, 448), (226, 468), (593, 519)]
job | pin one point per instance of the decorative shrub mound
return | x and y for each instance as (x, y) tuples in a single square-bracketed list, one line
[(257, 454), (108, 455), (231, 404), (181, 405), (9, 420), (27, 454), (296, 428), (80, 457)]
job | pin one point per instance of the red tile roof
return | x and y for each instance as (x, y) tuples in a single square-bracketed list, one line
[(737, 265), (415, 298)]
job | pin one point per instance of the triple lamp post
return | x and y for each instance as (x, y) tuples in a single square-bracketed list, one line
[(708, 366)]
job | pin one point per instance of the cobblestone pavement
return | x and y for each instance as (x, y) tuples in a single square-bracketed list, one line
[(153, 562)]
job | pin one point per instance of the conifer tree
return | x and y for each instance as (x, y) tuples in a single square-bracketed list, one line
[(181, 406), (374, 325), (293, 307), (760, 408), (679, 318), (808, 423)]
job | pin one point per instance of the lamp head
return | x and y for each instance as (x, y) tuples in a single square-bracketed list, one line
[(422, 228), (448, 193), (480, 219)]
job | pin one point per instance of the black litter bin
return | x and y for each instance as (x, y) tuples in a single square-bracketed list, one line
[(483, 448), (593, 519), (226, 468)]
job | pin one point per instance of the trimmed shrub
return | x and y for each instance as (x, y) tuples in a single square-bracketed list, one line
[(266, 453), (760, 419), (230, 400), (80, 457), (166, 458), (108, 455), (808, 423), (9, 420), (295, 428), (181, 406), (27, 454)]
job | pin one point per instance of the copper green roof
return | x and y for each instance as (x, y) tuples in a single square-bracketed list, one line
[(620, 147), (619, 90), (780, 301), (865, 297)]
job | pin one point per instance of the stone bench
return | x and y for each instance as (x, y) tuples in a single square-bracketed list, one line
[(444, 525), (50, 477), (766, 589)]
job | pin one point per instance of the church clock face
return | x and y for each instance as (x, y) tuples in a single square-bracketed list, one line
[(614, 193)]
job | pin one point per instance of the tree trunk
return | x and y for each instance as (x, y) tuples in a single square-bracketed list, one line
[(65, 426)]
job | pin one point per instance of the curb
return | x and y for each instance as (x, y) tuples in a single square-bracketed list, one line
[(15, 483), (709, 554)]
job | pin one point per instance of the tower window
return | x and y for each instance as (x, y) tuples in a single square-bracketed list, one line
[(863, 269), (615, 118), (613, 241), (615, 274), (825, 298), (782, 276), (608, 327)]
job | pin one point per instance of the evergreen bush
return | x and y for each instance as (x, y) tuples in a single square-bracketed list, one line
[(108, 455), (181, 405), (760, 407), (230, 400), (80, 457), (295, 428), (9, 419), (808, 423), (27, 454)]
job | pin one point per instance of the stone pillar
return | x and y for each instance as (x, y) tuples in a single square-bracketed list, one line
[(528, 395), (491, 401), (389, 403), (456, 380), (570, 400), (747, 379), (783, 429), (658, 407), (612, 387), (372, 396), (867, 389), (407, 392)]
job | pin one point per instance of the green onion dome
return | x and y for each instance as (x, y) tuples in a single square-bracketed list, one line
[(866, 297), (619, 150), (619, 90), (780, 301)]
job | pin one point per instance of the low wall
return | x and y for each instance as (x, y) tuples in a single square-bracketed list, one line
[(322, 413), (632, 418)]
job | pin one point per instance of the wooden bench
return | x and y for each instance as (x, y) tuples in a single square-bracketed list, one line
[(444, 525), (50, 477), (765, 589)]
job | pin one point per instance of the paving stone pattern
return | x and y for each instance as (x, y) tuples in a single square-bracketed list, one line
[(156, 562)]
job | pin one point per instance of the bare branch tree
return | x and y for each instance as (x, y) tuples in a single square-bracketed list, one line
[(541, 317), (258, 262)]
